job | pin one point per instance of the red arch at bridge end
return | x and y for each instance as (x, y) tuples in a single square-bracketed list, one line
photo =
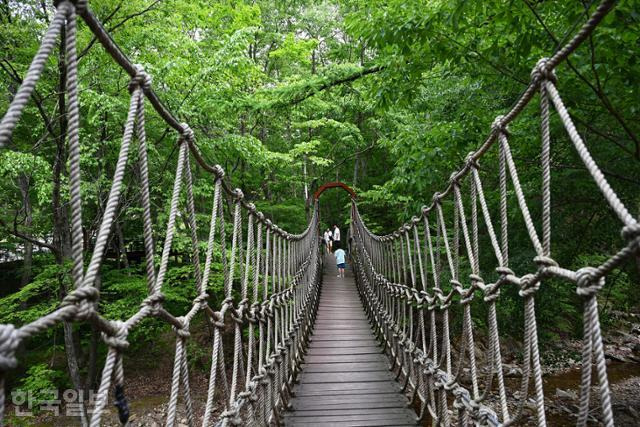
[(335, 184)]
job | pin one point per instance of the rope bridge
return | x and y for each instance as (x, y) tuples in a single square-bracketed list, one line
[(407, 280)]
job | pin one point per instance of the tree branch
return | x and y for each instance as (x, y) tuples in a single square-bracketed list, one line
[(35, 95), (596, 89), (18, 234), (311, 91), (119, 24)]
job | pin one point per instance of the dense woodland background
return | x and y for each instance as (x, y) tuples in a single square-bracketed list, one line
[(388, 96)]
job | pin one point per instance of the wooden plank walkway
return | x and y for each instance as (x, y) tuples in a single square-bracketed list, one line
[(345, 379)]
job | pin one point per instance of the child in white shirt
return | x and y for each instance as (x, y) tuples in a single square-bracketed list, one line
[(341, 256)]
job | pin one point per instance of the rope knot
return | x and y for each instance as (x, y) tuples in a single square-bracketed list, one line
[(476, 280), (589, 284), (183, 331), (238, 195), (187, 133), (542, 72), (470, 160), (218, 171), (425, 210), (217, 319), (85, 293), (467, 297), (154, 301), (9, 342), (140, 80), (499, 126), (454, 178), (528, 285), (83, 298), (630, 232), (232, 416), (491, 292), (117, 340), (504, 271), (202, 298), (239, 314), (436, 198), (545, 261)]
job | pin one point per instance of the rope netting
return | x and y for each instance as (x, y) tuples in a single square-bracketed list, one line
[(403, 277), (271, 276)]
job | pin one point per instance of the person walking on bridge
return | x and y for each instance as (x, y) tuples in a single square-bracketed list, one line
[(327, 240), (336, 233), (340, 255)]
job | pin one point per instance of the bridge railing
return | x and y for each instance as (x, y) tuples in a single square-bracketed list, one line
[(271, 276), (410, 278)]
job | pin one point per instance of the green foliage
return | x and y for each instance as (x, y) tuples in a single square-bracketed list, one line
[(41, 382), (37, 298)]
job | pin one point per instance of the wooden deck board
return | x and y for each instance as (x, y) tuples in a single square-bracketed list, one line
[(345, 380)]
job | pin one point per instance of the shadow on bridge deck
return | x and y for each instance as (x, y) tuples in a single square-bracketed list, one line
[(345, 379)]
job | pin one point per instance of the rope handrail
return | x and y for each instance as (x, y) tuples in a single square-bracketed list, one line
[(413, 316), (271, 276)]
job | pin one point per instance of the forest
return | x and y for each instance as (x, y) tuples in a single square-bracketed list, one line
[(388, 97)]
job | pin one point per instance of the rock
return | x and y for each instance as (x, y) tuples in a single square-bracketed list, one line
[(531, 404), (511, 371), (614, 357), (566, 394), (636, 348)]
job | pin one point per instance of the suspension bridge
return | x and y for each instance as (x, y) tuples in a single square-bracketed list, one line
[(373, 348)]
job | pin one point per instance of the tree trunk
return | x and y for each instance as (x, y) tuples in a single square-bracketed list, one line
[(356, 163), (27, 263), (122, 250), (61, 235)]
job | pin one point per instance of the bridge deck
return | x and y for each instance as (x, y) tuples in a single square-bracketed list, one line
[(345, 379)]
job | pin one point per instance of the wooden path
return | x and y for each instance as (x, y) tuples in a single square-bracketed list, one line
[(345, 379)]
